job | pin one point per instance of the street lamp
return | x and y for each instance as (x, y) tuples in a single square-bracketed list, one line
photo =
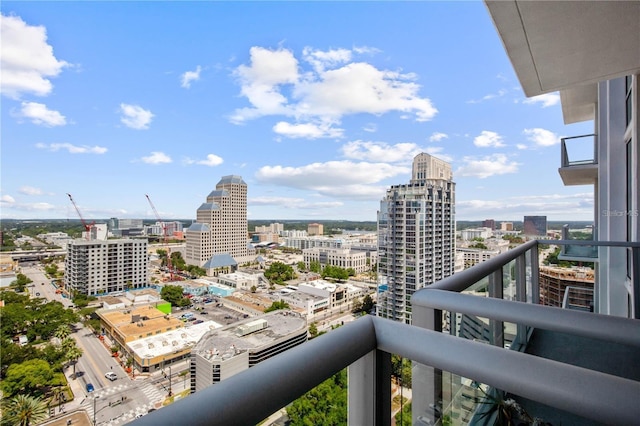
[(95, 398)]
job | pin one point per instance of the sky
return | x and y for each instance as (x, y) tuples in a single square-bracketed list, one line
[(319, 106)]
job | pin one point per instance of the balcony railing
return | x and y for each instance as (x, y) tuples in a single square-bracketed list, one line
[(444, 363), (580, 250), (579, 164)]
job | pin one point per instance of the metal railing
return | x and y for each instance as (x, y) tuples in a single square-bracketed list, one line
[(582, 155), (365, 347)]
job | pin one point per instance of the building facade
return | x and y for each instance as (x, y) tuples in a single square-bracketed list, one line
[(576, 283), (416, 236), (315, 229), (535, 225), (221, 225), (343, 258), (98, 267)]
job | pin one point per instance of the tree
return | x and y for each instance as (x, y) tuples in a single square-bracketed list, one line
[(314, 266), (29, 377), (357, 306), (277, 305), (73, 354), (278, 273), (173, 294), (326, 404), (24, 410), (301, 266), (367, 303), (62, 332), (313, 330), (253, 289)]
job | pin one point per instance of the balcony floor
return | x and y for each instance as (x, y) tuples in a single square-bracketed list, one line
[(611, 358)]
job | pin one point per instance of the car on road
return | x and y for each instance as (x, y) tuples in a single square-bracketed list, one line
[(90, 388), (110, 375)]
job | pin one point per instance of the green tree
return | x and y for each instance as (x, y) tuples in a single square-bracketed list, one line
[(278, 273), (277, 305), (367, 303), (301, 266), (25, 410), (173, 294), (326, 404), (29, 377), (313, 330), (314, 266), (62, 332), (357, 306)]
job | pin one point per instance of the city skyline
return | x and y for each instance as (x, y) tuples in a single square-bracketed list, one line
[(318, 123)]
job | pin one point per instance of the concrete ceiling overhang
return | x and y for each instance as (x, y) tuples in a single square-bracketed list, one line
[(569, 46)]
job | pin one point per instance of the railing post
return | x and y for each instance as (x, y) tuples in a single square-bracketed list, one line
[(369, 384), (535, 275), (635, 280), (496, 290), (521, 296), (426, 381)]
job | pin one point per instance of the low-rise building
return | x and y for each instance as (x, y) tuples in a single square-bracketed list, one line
[(226, 351), (341, 257)]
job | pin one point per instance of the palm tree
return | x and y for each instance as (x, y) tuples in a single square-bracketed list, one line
[(73, 353), (24, 410), (62, 332)]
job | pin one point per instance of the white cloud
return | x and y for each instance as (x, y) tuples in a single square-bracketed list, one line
[(189, 76), (27, 60), (547, 100), (552, 205), (370, 128), (307, 130), (29, 190), (72, 149), (341, 179), (484, 167), (366, 50), (325, 59), (39, 114), (157, 158), (521, 146), (293, 203), (542, 137), (381, 151), (135, 117), (437, 137), (275, 84), (212, 160), (488, 97), (8, 199), (488, 139)]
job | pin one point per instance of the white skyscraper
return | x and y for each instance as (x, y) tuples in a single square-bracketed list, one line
[(416, 236), (218, 238)]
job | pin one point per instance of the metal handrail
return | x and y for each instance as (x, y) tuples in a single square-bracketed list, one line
[(251, 396), (603, 327)]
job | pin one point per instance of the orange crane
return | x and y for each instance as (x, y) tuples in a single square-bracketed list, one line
[(165, 239), (87, 226)]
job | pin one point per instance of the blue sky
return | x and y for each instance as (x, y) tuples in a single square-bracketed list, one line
[(319, 107)]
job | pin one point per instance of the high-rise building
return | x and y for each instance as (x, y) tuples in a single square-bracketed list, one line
[(416, 236), (96, 267), (489, 223), (315, 229), (218, 237), (535, 225)]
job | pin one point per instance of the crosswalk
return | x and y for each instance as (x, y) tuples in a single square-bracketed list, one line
[(152, 394)]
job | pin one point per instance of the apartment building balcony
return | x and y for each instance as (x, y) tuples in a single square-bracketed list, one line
[(579, 164), (578, 250), (565, 366)]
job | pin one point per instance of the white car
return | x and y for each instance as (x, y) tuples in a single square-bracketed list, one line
[(110, 375)]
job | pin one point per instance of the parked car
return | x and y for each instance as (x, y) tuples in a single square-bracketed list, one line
[(198, 322), (90, 388), (110, 375)]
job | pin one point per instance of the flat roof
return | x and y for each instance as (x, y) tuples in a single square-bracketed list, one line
[(122, 320), (280, 324), (171, 341)]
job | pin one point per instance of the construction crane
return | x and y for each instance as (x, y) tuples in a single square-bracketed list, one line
[(165, 237), (87, 226)]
